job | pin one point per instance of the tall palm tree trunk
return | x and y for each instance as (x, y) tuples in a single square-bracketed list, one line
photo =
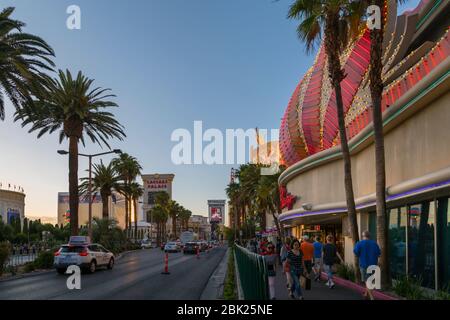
[(174, 226), (105, 209), (126, 213), (135, 218), (263, 220), (158, 241), (73, 184), (376, 90), (164, 231), (277, 224), (239, 215), (337, 75), (130, 208)]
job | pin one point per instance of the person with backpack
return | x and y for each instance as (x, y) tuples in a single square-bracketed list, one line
[(330, 254)]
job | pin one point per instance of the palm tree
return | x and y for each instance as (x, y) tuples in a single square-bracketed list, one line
[(184, 216), (159, 216), (376, 86), (174, 210), (23, 59), (162, 201), (332, 19), (268, 198), (187, 214), (136, 191), (233, 192), (76, 109), (248, 176), (105, 180), (129, 168)]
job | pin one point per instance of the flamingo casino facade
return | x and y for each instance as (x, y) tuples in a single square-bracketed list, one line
[(416, 116)]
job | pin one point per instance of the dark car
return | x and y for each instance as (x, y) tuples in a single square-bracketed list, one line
[(190, 247), (203, 246)]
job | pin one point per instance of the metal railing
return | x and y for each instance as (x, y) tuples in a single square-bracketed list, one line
[(21, 259), (252, 274), (20, 255)]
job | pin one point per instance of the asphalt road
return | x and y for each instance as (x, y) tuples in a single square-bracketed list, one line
[(137, 276)]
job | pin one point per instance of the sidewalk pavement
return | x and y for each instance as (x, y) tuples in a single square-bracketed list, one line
[(319, 291)]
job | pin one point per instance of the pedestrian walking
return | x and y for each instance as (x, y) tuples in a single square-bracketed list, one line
[(317, 267), (368, 253), (295, 257), (308, 254), (271, 260), (285, 263), (330, 254)]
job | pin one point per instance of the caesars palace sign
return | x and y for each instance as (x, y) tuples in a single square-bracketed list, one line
[(157, 184)]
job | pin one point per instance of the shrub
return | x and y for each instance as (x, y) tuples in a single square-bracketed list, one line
[(443, 294), (44, 260), (410, 288), (11, 269), (108, 234), (29, 267), (20, 238), (5, 251), (229, 290), (346, 271)]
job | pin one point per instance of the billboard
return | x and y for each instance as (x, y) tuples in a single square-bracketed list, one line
[(216, 214), (63, 198), (216, 211)]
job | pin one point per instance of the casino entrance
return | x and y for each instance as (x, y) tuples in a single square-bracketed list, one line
[(322, 226)]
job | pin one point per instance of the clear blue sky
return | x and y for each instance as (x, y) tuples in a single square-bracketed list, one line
[(231, 64)]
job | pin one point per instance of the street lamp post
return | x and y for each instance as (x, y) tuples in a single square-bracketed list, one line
[(90, 156)]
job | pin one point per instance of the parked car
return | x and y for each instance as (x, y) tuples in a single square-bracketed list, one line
[(89, 257), (190, 247), (172, 247)]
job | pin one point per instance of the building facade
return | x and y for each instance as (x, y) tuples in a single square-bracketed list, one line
[(116, 206), (201, 226), (416, 114), (12, 205), (153, 184)]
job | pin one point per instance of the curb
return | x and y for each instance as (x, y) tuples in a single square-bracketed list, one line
[(240, 291), (27, 275), (214, 287), (378, 295)]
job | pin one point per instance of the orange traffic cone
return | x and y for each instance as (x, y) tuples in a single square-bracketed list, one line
[(166, 264)]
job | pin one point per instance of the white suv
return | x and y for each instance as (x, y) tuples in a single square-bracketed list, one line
[(87, 256), (172, 247)]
